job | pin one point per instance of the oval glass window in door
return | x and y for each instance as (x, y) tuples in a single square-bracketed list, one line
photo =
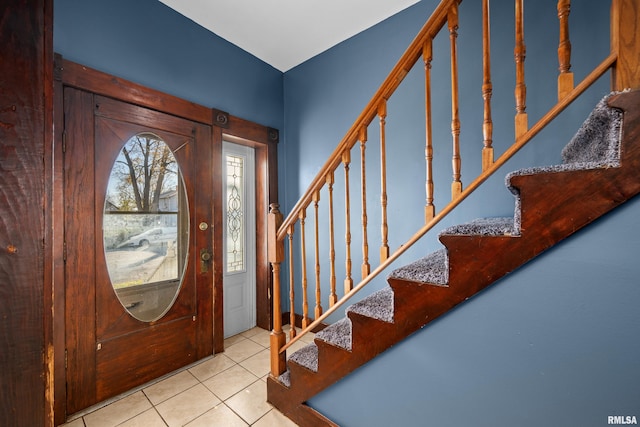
[(146, 227)]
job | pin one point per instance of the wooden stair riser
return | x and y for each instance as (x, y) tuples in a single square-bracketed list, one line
[(280, 397), (417, 304), (333, 364), (558, 199), (371, 336), (473, 259), (629, 103)]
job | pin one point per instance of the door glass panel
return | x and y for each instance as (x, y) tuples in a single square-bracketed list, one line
[(235, 214), (146, 227)]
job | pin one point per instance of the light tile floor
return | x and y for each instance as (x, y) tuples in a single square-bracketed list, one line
[(228, 389)]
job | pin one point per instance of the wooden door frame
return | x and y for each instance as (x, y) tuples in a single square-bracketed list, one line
[(26, 129), (223, 126), (266, 174)]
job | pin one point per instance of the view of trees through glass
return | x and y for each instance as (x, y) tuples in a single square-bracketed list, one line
[(145, 226)]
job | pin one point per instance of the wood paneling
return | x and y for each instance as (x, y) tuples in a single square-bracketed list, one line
[(80, 249), (625, 32), (170, 345), (25, 102)]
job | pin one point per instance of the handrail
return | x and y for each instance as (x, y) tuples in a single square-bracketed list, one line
[(433, 25), (603, 67)]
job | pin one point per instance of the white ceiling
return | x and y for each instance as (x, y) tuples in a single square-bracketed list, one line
[(285, 33)]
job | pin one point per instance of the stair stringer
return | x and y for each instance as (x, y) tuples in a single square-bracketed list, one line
[(370, 337), (551, 214), (553, 206)]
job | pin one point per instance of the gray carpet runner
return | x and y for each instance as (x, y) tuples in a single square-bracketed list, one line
[(483, 227), (338, 334), (378, 305), (595, 145), (434, 269)]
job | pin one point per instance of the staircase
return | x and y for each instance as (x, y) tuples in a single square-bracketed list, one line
[(599, 172)]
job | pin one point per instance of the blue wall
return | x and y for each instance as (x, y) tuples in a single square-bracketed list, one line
[(147, 42), (553, 344)]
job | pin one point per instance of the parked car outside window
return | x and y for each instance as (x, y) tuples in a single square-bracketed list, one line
[(152, 236)]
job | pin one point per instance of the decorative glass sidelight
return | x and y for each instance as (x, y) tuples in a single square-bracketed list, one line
[(146, 227), (235, 214)]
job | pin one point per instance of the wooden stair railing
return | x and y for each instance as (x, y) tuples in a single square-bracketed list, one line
[(624, 60), (555, 202)]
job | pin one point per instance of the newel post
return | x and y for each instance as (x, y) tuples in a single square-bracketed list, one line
[(276, 256), (625, 40)]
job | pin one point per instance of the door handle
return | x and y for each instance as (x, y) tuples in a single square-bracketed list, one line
[(205, 258)]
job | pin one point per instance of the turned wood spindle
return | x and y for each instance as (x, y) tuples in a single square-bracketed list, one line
[(292, 300), (303, 267), (487, 88), (366, 267), (565, 79), (520, 52), (384, 247), (456, 161), (429, 208), (333, 297), (316, 199), (348, 281)]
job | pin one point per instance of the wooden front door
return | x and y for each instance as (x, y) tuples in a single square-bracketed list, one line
[(139, 265)]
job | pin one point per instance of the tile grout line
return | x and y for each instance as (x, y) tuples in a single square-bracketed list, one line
[(255, 378)]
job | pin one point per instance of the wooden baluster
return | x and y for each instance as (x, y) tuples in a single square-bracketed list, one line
[(292, 301), (348, 281), (625, 21), (277, 338), (303, 266), (429, 207), (520, 52), (487, 88), (333, 297), (384, 248), (316, 199), (366, 268), (452, 20), (565, 79)]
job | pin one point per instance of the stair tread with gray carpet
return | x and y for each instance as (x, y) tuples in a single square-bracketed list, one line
[(337, 334), (307, 356), (433, 269), (482, 227), (378, 305)]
